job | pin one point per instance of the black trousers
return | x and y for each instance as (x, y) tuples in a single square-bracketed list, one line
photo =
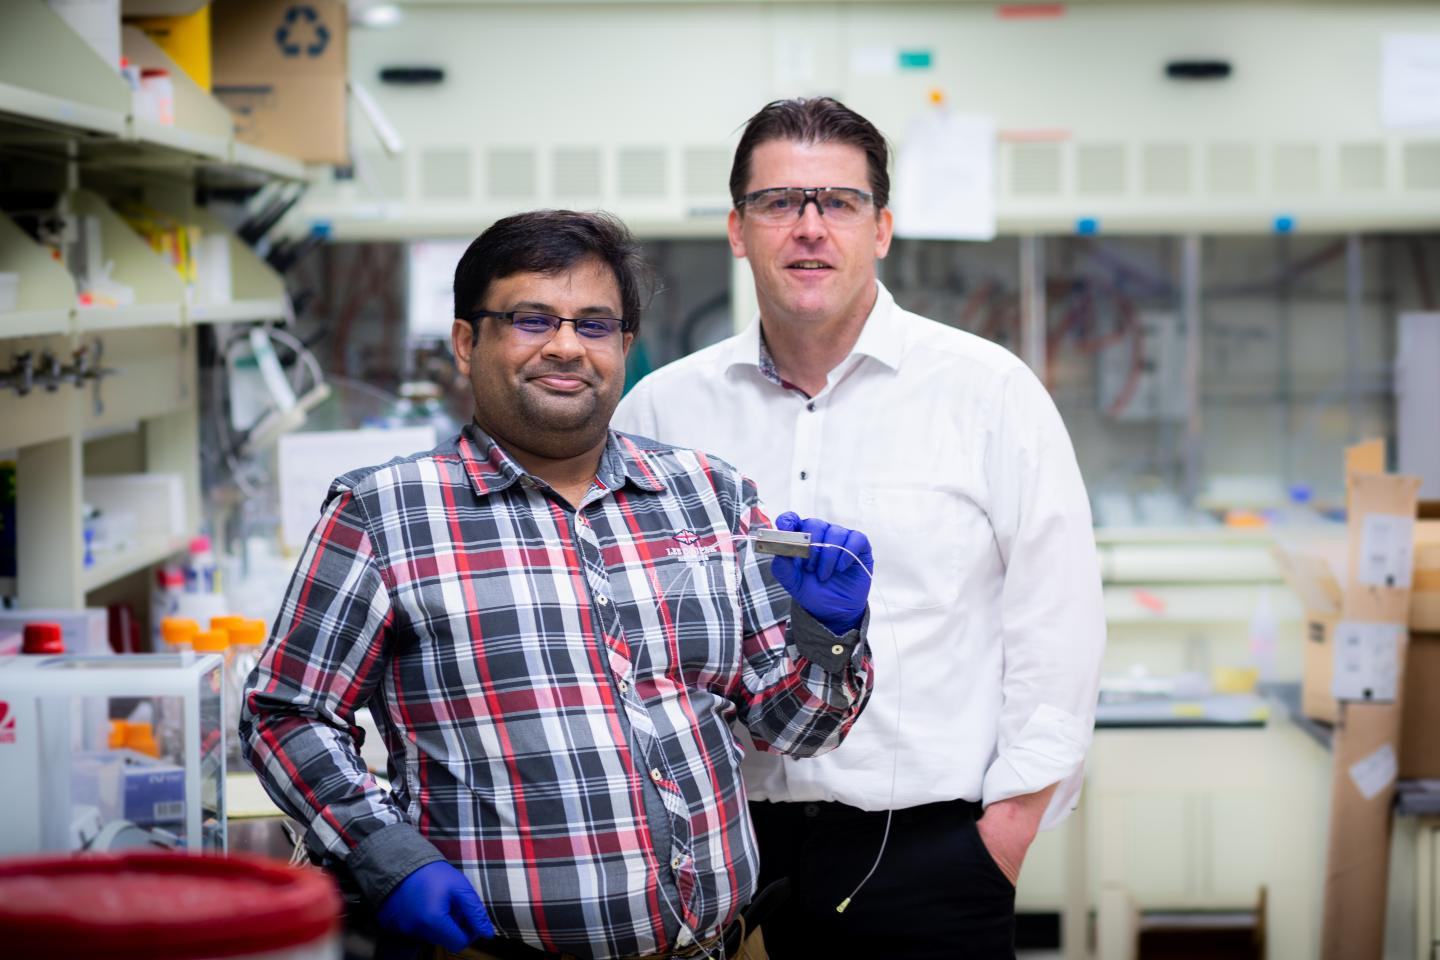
[(936, 894)]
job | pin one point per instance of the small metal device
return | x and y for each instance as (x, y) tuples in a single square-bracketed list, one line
[(783, 543)]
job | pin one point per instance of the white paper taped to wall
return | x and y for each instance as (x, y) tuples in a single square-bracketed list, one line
[(1372, 774), (310, 461), (1387, 548), (1410, 80), (945, 177), (1367, 661)]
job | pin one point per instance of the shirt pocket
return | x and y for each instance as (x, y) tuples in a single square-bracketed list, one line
[(914, 535), (693, 602)]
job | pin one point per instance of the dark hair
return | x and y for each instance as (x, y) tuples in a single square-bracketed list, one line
[(549, 242), (817, 120)]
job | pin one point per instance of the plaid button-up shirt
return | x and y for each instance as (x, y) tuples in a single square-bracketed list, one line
[(555, 687)]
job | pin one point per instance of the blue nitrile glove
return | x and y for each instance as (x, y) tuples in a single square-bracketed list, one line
[(828, 583), (438, 905)]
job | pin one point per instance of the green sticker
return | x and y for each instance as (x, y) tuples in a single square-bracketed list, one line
[(914, 59)]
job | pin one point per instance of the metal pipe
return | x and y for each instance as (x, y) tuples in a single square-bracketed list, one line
[(1354, 299), (1032, 303), (1190, 312)]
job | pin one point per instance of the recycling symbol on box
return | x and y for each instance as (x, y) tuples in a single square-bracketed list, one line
[(302, 32)]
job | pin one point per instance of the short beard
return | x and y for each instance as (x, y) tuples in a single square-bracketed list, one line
[(561, 438), (521, 421)]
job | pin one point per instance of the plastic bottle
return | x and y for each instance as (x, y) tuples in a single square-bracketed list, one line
[(246, 638), (177, 636), (218, 641), (165, 601), (200, 568), (178, 633)]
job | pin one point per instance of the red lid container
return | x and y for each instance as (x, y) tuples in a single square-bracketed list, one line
[(43, 638), (162, 906)]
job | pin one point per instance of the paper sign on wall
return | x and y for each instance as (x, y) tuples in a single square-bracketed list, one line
[(1387, 545), (1367, 661), (1372, 774), (945, 178), (1410, 80)]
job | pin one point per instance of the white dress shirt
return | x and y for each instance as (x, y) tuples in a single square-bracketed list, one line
[(987, 624)]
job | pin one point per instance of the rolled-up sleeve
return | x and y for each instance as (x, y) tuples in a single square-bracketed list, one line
[(801, 686), (1052, 618)]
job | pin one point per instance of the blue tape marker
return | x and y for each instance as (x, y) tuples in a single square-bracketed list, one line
[(1284, 223), (1087, 226)]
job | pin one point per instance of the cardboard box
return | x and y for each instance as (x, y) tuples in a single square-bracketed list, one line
[(1310, 568), (280, 67), (1425, 589), (1367, 737), (1420, 709)]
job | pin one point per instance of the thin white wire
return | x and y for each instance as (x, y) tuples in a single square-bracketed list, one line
[(894, 751)]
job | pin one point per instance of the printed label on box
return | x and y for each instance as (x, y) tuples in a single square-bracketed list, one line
[(1375, 772), (1387, 544), (1367, 661)]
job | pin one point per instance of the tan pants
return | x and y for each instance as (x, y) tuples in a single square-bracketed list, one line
[(752, 949)]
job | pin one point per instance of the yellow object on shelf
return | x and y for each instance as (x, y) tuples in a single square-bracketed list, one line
[(186, 39), (229, 623), (1234, 679)]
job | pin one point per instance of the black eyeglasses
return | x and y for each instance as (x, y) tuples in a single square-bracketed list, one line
[(779, 205), (533, 326)]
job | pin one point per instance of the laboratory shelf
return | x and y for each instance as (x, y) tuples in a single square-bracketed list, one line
[(34, 323), (158, 290), (237, 311), (50, 78), (146, 554), (256, 291), (265, 163), (92, 319), (203, 127), (46, 295), (22, 108), (181, 147)]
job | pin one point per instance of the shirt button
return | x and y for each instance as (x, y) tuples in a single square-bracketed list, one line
[(676, 863), (656, 775), (810, 407), (804, 474), (811, 810), (624, 687), (602, 600), (838, 649)]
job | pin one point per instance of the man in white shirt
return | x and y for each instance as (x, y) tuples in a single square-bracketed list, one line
[(988, 628)]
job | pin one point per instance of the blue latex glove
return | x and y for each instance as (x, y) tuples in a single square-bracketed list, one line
[(828, 583), (438, 905)]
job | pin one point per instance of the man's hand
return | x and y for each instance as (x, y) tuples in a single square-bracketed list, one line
[(828, 583), (1008, 828), (437, 904)]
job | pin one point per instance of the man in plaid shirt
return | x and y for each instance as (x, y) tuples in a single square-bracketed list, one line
[(554, 626)]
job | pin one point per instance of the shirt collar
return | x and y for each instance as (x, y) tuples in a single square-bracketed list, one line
[(880, 338), (491, 469)]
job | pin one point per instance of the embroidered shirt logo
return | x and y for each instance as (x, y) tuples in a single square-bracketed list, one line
[(690, 549)]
